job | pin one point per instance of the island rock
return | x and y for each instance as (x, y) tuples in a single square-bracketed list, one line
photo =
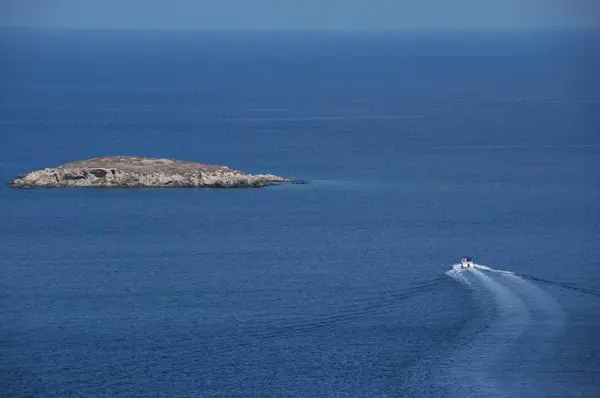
[(137, 172)]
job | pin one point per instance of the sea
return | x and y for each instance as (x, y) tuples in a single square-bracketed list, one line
[(419, 147)]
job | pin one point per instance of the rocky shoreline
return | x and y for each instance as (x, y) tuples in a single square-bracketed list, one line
[(139, 172)]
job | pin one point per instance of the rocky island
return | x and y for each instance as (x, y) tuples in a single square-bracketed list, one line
[(138, 172)]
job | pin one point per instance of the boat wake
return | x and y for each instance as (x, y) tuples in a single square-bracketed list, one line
[(457, 269), (522, 323)]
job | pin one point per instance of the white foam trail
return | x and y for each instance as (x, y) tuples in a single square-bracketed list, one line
[(538, 300), (546, 311), (526, 320), (456, 273), (512, 310), (478, 359), (489, 269)]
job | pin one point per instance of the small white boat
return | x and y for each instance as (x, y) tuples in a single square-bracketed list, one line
[(466, 262)]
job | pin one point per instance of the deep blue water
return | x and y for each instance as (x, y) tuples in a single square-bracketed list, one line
[(420, 148)]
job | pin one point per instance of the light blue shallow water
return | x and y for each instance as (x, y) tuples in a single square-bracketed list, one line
[(419, 148)]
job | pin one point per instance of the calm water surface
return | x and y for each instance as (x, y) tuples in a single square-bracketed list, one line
[(420, 148)]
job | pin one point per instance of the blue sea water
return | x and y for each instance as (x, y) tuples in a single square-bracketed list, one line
[(419, 148)]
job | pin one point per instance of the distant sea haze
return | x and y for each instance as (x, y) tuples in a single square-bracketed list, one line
[(419, 148)]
